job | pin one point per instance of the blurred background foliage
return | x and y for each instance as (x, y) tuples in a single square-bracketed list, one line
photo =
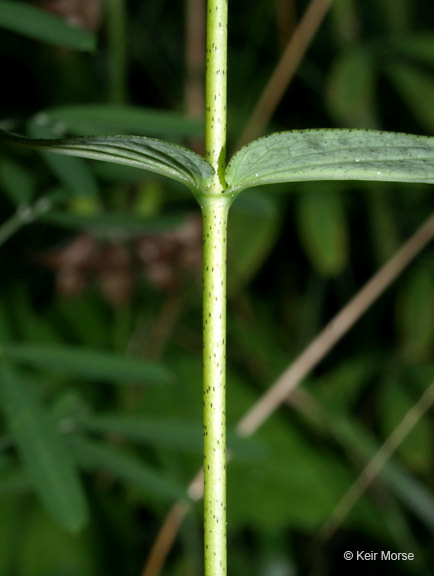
[(100, 308)]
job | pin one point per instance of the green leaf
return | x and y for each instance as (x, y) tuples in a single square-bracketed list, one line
[(332, 155), (10, 530), (95, 456), (108, 119), (87, 364), (323, 228), (47, 551), (168, 434), (420, 46), (17, 181), (43, 452), (351, 84), (150, 154), (416, 88), (332, 388), (395, 401), (414, 312), (41, 25), (254, 225)]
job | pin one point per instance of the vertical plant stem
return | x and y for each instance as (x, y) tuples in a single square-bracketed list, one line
[(215, 205), (215, 211), (116, 27), (215, 111)]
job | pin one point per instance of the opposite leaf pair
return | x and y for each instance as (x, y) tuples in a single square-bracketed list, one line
[(280, 157)]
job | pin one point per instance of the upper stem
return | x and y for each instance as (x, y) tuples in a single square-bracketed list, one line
[(216, 89)]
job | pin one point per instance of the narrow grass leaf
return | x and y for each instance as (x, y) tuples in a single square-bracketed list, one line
[(416, 88), (332, 155), (167, 434), (419, 46), (43, 452), (415, 323), (351, 88), (17, 182), (87, 364), (322, 227), (254, 226), (95, 456), (41, 25), (150, 154)]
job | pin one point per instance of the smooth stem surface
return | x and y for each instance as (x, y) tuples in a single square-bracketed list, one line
[(216, 72), (214, 212), (215, 206)]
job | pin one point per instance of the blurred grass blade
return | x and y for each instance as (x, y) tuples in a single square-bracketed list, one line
[(43, 452), (108, 119), (168, 434), (418, 46), (351, 89), (41, 25), (332, 155), (409, 490), (128, 469), (254, 226), (150, 154), (416, 89), (87, 364), (415, 323), (17, 182), (323, 227)]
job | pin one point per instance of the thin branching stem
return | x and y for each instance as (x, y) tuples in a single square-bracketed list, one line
[(24, 215)]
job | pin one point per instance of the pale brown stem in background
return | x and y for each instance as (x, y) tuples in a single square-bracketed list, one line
[(162, 329), (164, 541), (285, 70), (195, 63), (334, 330), (374, 466), (286, 19)]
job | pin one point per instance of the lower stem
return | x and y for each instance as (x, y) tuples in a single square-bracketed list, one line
[(214, 214)]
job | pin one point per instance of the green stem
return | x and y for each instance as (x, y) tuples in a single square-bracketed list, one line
[(216, 70), (215, 206), (116, 27), (23, 216)]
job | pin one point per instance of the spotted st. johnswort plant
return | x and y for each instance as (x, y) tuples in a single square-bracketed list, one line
[(281, 157)]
